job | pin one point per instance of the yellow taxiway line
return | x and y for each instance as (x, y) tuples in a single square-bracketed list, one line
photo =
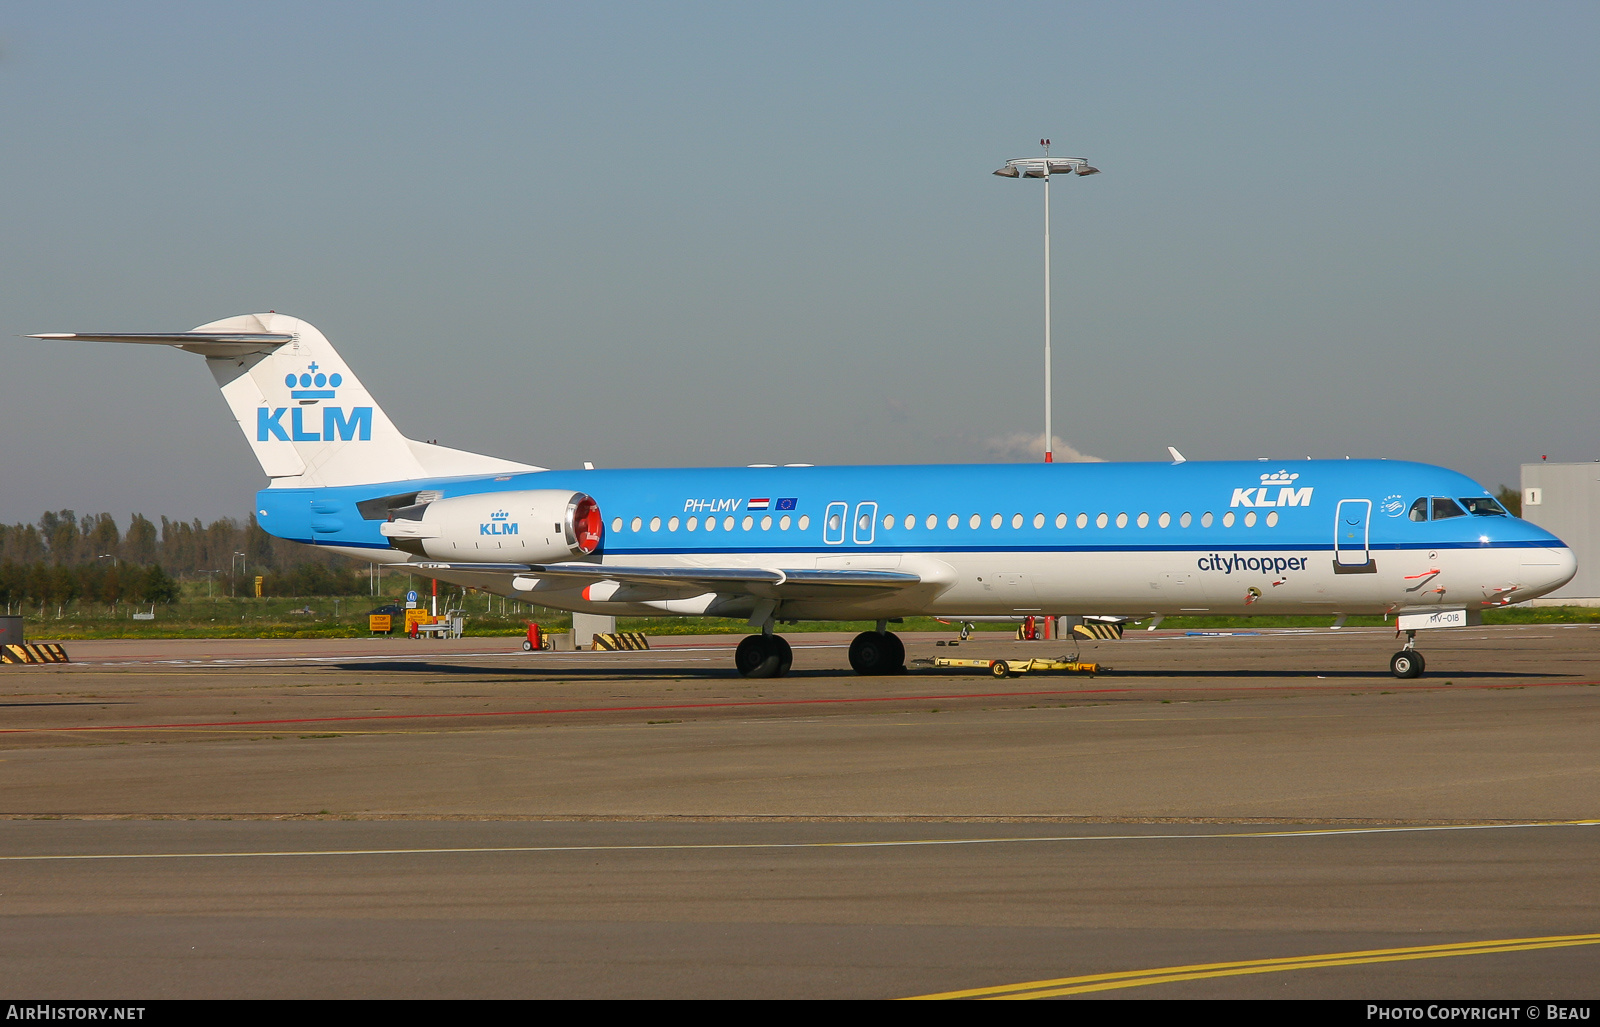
[(1202, 971)]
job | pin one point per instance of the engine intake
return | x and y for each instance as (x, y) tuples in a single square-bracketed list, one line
[(536, 526)]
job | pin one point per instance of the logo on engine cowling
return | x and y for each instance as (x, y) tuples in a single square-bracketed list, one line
[(500, 523)]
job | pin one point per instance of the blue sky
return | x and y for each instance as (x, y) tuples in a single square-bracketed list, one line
[(693, 234)]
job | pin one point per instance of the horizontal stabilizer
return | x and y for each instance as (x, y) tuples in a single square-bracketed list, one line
[(209, 344)]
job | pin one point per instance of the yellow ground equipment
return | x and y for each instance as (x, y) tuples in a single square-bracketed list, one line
[(1012, 668)]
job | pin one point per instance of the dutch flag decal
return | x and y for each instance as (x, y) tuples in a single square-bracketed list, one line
[(758, 504)]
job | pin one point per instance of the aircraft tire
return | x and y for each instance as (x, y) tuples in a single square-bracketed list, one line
[(897, 653), (1407, 663), (785, 654), (872, 653), (757, 657)]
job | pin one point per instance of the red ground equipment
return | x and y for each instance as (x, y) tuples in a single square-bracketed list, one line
[(535, 640)]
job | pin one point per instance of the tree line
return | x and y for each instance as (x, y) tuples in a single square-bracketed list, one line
[(184, 548), (63, 558), (44, 584)]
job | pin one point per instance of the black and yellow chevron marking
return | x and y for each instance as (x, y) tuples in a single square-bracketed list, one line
[(34, 652), (617, 641), (1097, 630)]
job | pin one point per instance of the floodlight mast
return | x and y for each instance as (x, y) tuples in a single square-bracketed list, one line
[(1043, 167)]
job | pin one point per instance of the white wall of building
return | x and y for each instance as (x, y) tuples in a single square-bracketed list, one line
[(1565, 499)]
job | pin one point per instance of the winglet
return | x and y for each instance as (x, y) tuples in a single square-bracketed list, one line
[(1177, 457)]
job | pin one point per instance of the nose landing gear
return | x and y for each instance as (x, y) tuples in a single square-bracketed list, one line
[(1407, 663)]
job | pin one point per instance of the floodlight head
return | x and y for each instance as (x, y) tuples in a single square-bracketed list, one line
[(1044, 167)]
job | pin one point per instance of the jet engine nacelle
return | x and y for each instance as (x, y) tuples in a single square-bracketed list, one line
[(536, 526)]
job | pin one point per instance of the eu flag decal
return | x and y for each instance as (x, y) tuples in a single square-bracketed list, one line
[(787, 504)]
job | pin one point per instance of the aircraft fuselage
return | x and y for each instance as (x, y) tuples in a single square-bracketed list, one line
[(1282, 537)]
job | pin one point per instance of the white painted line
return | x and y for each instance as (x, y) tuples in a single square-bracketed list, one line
[(235, 661), (902, 843)]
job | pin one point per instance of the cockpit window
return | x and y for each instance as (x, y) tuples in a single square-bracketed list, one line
[(1483, 506), (1443, 508), (1419, 510)]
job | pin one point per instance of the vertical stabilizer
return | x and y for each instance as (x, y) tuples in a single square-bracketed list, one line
[(306, 416), (304, 413)]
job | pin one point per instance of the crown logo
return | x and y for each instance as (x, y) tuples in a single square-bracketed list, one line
[(499, 515), (1278, 478), (312, 383)]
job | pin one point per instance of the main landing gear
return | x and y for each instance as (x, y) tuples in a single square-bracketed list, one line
[(1407, 663), (769, 656), (763, 656), (878, 652)]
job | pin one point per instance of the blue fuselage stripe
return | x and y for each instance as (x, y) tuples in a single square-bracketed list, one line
[(1244, 547)]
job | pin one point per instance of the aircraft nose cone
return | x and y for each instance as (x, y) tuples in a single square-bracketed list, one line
[(1545, 570)]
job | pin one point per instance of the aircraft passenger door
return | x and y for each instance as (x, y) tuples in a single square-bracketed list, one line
[(866, 523), (833, 523), (1352, 537)]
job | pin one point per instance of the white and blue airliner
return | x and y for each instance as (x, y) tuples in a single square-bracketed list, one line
[(785, 544)]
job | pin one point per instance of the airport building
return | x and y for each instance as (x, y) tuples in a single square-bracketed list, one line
[(1565, 499)]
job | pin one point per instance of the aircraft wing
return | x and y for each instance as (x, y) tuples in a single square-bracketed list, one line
[(765, 583)]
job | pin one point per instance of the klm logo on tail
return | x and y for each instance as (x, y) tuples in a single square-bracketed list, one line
[(337, 425)]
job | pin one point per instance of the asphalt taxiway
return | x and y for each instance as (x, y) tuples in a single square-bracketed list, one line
[(397, 818)]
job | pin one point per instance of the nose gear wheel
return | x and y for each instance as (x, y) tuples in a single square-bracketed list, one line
[(1407, 663)]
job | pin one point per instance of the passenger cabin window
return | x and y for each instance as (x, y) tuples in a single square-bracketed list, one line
[(1443, 508), (1419, 510), (1483, 506)]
